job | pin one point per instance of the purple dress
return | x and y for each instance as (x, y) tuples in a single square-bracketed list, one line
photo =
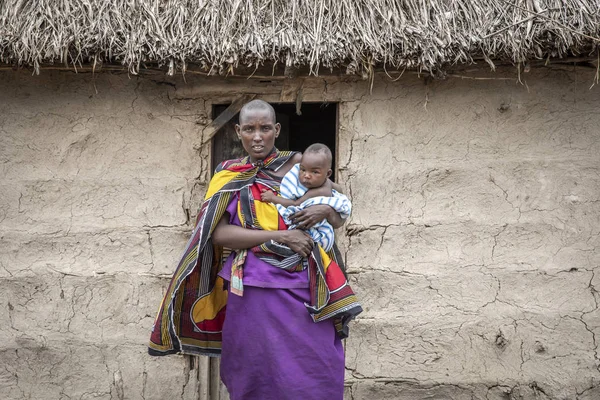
[(271, 348)]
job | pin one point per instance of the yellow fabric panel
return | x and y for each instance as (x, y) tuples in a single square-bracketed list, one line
[(207, 307), (325, 257), (266, 215), (219, 180)]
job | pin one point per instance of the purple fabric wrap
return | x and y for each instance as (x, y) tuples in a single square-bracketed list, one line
[(272, 349)]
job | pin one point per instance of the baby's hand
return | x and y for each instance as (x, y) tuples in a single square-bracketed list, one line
[(267, 196)]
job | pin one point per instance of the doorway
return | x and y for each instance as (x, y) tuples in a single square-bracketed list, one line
[(316, 124)]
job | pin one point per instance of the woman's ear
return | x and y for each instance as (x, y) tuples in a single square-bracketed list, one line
[(277, 129), (238, 130)]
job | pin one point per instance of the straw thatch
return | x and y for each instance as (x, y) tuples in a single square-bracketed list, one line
[(221, 36)]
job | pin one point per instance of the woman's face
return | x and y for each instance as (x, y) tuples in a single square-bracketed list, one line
[(257, 131)]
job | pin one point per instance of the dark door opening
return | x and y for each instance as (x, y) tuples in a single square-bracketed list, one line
[(317, 124)]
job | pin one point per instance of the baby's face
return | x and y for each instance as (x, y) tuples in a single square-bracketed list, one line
[(314, 170)]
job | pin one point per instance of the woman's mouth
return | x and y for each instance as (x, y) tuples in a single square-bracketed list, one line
[(258, 148)]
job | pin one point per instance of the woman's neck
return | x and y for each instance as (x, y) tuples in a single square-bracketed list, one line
[(258, 161)]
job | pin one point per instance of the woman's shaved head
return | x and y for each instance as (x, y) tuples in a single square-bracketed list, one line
[(256, 105)]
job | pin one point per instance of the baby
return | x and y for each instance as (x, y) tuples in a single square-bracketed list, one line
[(307, 184)]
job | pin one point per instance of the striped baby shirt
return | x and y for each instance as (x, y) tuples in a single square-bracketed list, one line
[(291, 188)]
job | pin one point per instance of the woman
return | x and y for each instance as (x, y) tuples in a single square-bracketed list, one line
[(287, 301)]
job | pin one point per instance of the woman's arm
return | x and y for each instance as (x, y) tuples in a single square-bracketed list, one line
[(236, 237), (310, 216)]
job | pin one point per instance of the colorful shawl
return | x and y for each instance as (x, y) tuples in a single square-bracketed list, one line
[(191, 315)]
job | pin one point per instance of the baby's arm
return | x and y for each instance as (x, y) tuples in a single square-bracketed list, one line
[(324, 190), (337, 188), (269, 197)]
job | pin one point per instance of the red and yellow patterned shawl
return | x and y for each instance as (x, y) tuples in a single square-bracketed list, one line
[(192, 312)]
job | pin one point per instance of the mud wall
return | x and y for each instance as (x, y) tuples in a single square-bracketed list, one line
[(473, 242)]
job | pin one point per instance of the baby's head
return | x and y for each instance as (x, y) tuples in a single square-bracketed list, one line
[(315, 166)]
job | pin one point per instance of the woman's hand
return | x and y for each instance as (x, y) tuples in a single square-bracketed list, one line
[(297, 240), (310, 216)]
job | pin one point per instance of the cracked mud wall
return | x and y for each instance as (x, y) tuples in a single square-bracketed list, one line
[(473, 244), (96, 194)]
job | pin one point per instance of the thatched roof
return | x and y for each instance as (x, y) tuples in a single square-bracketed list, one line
[(357, 35)]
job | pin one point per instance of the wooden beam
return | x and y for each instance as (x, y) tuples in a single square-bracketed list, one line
[(211, 129)]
